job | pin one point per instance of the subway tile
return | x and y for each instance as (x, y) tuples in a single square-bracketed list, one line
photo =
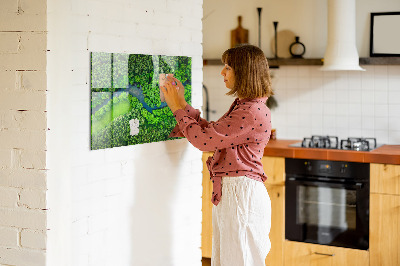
[(367, 122), (367, 110), (382, 136), (291, 71), (394, 97), (394, 123), (329, 109), (355, 122), (381, 84), (380, 71), (394, 110), (355, 109), (381, 123), (355, 96), (342, 122), (381, 110), (367, 96), (355, 132), (394, 137), (380, 97)]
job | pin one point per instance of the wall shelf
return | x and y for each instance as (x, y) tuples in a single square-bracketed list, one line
[(274, 63)]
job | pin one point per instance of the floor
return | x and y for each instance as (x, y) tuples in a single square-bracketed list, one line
[(206, 261)]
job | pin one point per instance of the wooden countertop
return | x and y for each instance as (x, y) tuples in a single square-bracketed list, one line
[(389, 154)]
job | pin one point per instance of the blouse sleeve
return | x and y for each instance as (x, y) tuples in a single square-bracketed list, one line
[(231, 130), (193, 113)]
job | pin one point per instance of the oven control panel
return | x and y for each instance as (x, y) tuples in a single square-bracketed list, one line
[(337, 169)]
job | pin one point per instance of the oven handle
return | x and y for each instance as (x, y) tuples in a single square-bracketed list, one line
[(357, 185)]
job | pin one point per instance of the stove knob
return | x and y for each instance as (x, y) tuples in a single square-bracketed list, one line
[(343, 168)]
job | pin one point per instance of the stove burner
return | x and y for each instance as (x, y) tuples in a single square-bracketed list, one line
[(328, 142), (358, 144), (332, 142)]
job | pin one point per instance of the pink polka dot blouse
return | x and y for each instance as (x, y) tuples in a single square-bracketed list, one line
[(238, 139)]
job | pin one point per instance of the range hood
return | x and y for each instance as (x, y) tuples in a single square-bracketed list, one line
[(341, 51)]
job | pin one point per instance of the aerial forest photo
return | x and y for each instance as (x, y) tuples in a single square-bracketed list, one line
[(126, 105)]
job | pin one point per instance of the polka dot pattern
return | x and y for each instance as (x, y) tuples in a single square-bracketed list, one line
[(238, 139)]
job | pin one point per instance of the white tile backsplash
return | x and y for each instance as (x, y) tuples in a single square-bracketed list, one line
[(343, 103)]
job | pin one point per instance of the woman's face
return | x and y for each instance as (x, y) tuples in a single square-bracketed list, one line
[(229, 76)]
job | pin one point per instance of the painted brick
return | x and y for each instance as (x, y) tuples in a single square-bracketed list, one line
[(36, 7), (33, 239), (22, 139), (23, 218), (30, 80), (13, 119), (33, 199), (8, 6), (33, 42), (30, 61), (33, 159), (23, 178), (5, 158), (16, 158), (22, 22), (8, 237), (8, 197), (22, 100), (9, 42), (17, 256), (7, 80)]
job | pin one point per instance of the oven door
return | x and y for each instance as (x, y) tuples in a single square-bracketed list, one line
[(327, 213)]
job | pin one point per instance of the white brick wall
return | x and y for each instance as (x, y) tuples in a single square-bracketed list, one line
[(23, 132), (135, 205)]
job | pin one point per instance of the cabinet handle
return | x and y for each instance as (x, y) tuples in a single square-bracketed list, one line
[(324, 254)]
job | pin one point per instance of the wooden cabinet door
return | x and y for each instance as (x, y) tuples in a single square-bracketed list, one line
[(277, 233), (206, 226), (384, 237), (274, 168), (304, 254), (385, 178)]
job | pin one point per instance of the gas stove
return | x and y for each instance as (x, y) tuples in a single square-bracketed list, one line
[(332, 142)]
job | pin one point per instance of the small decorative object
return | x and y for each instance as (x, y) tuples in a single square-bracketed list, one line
[(273, 134), (276, 38), (271, 102), (239, 35), (384, 41), (297, 49), (259, 9)]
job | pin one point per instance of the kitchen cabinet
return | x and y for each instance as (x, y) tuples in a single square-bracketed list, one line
[(305, 254), (385, 215), (274, 168), (206, 225), (385, 178)]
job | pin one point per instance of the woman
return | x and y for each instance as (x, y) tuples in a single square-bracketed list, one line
[(242, 208)]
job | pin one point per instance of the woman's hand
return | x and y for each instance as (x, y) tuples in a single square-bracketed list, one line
[(174, 94), (181, 90)]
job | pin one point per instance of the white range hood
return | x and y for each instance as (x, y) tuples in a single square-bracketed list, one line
[(341, 51)]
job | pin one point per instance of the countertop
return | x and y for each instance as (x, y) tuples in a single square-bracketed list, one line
[(388, 154)]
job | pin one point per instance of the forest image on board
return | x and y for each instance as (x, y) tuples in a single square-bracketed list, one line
[(126, 108)]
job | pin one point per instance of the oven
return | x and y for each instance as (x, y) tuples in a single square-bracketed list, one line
[(327, 202)]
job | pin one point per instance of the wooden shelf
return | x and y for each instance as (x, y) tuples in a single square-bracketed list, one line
[(380, 61), (274, 63)]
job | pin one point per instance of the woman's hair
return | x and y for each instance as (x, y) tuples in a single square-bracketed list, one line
[(250, 66)]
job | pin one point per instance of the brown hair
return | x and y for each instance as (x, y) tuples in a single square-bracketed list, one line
[(250, 66)]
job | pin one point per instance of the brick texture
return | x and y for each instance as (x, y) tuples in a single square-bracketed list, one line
[(23, 125)]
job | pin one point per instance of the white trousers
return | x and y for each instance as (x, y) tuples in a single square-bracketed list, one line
[(241, 223)]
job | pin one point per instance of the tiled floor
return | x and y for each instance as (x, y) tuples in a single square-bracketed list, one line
[(206, 261)]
